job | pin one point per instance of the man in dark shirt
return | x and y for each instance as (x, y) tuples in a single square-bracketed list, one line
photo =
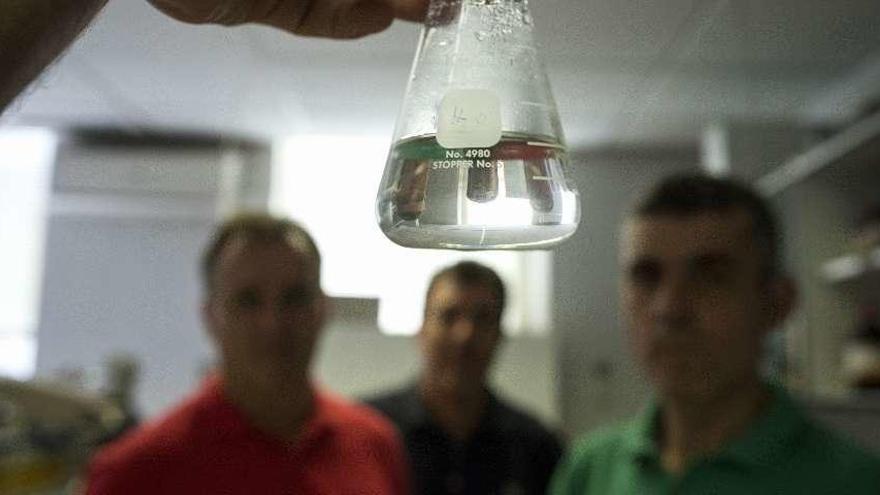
[(461, 438)]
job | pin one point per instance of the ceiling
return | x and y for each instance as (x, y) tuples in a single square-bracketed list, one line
[(623, 72)]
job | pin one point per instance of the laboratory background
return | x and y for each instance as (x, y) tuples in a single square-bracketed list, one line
[(118, 162)]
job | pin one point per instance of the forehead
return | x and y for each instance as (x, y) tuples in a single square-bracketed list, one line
[(449, 293), (673, 236), (245, 260)]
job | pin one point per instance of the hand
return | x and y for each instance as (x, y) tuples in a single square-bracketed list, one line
[(326, 18)]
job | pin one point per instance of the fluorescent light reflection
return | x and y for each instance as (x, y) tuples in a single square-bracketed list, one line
[(26, 158)]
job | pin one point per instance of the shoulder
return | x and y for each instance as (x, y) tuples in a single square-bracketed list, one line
[(597, 453), (518, 422), (162, 436), (605, 442), (365, 435), (392, 404), (150, 448), (355, 418), (840, 455), (817, 448)]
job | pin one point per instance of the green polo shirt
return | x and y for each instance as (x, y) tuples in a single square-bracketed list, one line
[(782, 453)]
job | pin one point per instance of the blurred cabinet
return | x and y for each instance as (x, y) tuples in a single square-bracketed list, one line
[(820, 194)]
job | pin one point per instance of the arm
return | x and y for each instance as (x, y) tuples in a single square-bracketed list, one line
[(33, 33), (325, 18)]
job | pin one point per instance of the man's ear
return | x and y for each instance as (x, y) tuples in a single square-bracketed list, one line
[(500, 340), (783, 299), (209, 319), (420, 337), (325, 308)]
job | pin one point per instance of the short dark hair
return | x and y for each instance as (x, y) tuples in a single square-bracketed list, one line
[(256, 227), (691, 194), (470, 274)]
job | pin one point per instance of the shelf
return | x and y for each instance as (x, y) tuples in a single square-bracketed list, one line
[(852, 267), (854, 150)]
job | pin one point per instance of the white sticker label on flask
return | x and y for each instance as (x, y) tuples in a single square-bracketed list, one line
[(469, 118)]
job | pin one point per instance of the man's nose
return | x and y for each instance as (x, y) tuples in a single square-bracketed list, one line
[(269, 316), (463, 330), (671, 303)]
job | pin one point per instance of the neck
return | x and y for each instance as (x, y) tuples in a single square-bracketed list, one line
[(693, 428), (278, 403), (457, 405)]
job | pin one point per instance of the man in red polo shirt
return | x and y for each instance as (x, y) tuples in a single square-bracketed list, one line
[(259, 426)]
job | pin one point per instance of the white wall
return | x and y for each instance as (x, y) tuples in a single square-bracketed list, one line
[(26, 158)]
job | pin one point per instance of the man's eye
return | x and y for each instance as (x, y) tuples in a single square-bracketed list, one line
[(247, 299), (449, 317), (712, 275), (296, 297), (645, 274), (712, 271), (485, 317)]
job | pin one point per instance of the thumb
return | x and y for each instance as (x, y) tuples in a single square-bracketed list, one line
[(362, 18), (331, 18), (410, 10)]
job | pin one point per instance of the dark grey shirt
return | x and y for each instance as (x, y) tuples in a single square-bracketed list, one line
[(510, 453)]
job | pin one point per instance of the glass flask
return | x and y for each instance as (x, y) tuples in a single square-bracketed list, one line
[(478, 159)]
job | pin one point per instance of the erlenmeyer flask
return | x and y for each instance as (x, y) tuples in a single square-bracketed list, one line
[(478, 159)]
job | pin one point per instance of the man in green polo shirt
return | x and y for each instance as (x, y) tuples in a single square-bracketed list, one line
[(701, 287)]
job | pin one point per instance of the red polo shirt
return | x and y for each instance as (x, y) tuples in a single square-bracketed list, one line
[(206, 446)]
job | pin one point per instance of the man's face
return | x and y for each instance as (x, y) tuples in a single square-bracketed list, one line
[(694, 300), (460, 332), (266, 307)]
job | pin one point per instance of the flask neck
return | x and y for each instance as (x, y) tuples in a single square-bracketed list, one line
[(445, 12)]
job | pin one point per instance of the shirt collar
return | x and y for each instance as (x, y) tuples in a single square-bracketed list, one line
[(416, 415), (771, 436), (324, 420), (412, 409), (640, 435), (767, 440)]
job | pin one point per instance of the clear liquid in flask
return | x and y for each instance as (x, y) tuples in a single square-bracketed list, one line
[(513, 195)]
